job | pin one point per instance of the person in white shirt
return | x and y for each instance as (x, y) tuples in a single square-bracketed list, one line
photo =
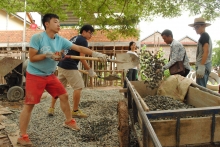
[(132, 72)]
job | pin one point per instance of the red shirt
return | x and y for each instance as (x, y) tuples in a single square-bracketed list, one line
[(33, 26)]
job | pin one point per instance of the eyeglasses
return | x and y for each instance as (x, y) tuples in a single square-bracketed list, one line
[(196, 27), (91, 33)]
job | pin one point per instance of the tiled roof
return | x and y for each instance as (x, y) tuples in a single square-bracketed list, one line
[(152, 43), (17, 36), (151, 40)]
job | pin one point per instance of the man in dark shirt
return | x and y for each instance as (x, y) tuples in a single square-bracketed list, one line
[(203, 53), (68, 71)]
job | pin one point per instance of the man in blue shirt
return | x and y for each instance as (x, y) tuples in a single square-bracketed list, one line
[(42, 63), (68, 71)]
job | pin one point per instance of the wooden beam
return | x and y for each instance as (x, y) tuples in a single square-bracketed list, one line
[(124, 90)]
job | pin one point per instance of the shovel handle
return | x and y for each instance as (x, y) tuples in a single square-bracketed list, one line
[(83, 71), (82, 58), (91, 58)]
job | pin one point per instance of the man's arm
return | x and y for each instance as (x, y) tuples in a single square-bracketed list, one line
[(81, 49), (84, 62), (34, 57), (87, 51), (177, 52), (205, 53)]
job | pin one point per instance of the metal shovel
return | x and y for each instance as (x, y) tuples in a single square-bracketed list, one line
[(131, 60), (124, 60)]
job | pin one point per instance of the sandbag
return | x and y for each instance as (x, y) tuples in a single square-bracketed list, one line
[(175, 86)]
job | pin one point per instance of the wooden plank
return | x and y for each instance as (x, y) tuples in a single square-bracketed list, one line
[(183, 112), (14, 135), (13, 138), (199, 98), (142, 88), (123, 124), (195, 130), (4, 111), (217, 129), (3, 136), (2, 117), (166, 132), (192, 131), (123, 90), (143, 104), (2, 127)]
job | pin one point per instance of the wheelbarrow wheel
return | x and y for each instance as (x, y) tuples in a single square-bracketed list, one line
[(15, 93)]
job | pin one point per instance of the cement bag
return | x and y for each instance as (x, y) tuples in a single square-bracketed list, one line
[(175, 86)]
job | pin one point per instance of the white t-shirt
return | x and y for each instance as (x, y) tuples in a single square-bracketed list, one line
[(130, 52)]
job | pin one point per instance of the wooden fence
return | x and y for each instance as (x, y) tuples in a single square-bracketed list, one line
[(106, 70)]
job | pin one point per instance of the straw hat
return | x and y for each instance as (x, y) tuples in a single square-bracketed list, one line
[(199, 21)]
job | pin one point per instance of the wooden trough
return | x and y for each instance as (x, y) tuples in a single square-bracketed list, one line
[(177, 130)]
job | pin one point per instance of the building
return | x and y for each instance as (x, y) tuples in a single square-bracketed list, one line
[(155, 41), (12, 42)]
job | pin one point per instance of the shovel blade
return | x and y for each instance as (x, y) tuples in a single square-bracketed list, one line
[(128, 61)]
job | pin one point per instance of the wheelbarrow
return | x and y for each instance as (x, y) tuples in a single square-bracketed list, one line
[(11, 70)]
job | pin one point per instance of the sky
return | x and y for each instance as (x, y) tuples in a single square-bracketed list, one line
[(179, 27)]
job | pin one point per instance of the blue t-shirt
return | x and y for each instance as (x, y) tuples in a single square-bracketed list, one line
[(43, 43), (71, 64)]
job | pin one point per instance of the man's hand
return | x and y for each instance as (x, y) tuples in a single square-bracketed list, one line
[(102, 57), (55, 56), (92, 73), (200, 71)]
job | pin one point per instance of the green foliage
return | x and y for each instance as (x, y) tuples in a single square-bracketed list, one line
[(160, 55), (216, 55), (142, 65), (121, 15), (166, 73)]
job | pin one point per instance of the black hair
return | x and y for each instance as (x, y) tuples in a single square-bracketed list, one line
[(130, 44), (167, 33), (87, 28), (47, 17)]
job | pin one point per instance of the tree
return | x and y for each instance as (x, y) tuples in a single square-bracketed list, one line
[(121, 16), (216, 55)]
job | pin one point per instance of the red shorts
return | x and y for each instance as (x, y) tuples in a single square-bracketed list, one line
[(35, 86)]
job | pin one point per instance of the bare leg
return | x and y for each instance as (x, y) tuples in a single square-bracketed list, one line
[(53, 102), (65, 106), (76, 98), (25, 118)]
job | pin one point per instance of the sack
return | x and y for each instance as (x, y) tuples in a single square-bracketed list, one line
[(177, 68)]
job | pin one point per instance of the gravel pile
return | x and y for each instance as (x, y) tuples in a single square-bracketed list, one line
[(156, 103), (99, 129)]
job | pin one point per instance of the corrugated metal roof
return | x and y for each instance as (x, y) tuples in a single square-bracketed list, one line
[(71, 21)]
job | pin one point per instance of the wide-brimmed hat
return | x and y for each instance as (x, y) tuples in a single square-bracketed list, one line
[(199, 21)]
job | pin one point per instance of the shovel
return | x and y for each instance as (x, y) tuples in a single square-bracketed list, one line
[(124, 60), (86, 72), (109, 78)]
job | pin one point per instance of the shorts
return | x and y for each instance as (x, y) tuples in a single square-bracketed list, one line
[(72, 77), (35, 86)]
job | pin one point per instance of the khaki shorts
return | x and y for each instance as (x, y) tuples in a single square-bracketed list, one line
[(72, 77)]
